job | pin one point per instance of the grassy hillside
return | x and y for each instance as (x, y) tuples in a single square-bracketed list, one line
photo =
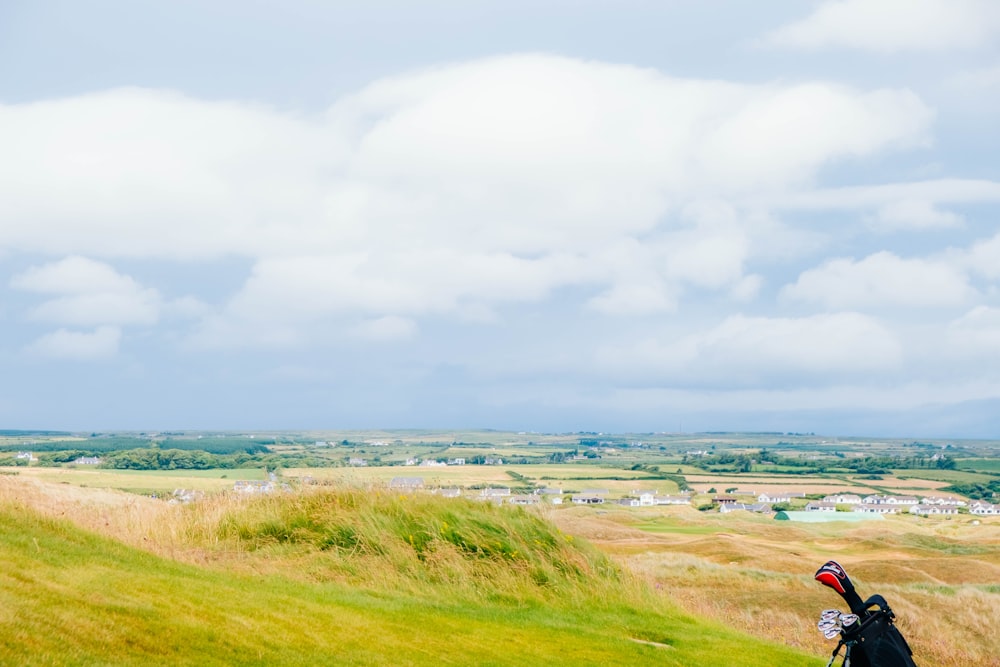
[(333, 577), (939, 574)]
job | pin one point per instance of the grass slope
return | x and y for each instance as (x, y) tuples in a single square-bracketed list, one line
[(274, 590), (939, 574)]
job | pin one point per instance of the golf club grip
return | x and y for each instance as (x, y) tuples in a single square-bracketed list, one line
[(833, 575)]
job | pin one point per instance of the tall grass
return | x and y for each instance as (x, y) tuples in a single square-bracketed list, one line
[(417, 542), (755, 574), (337, 577)]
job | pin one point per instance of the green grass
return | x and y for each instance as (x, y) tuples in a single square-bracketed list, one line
[(943, 475), (69, 597), (980, 465)]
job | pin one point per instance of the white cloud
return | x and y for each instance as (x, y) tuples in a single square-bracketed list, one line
[(982, 258), (946, 190), (976, 333), (893, 25), (880, 280), (913, 214), (761, 351), (101, 343), (639, 298), (386, 328), (73, 275), (454, 189), (822, 343), (748, 288), (977, 80), (89, 293)]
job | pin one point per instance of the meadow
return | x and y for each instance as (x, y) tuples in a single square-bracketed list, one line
[(755, 574), (670, 585), (324, 576), (143, 481), (570, 478)]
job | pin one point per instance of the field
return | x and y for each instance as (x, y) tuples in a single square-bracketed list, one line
[(699, 570), (571, 478), (755, 574), (343, 577), (142, 481), (813, 484)]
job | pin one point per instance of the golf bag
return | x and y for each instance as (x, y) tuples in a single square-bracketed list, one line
[(868, 634)]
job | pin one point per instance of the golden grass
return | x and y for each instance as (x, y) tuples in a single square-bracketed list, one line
[(939, 575), (101, 478), (810, 483), (566, 476)]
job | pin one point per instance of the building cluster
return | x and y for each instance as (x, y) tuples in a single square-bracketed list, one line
[(737, 500), (983, 508), (552, 495), (879, 504), (872, 504)]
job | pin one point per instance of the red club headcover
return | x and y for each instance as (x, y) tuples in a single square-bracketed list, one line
[(832, 574)]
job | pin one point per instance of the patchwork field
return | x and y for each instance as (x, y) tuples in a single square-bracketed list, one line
[(814, 484), (569, 477), (141, 481)]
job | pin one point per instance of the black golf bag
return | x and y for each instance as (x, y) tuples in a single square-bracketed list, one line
[(873, 640)]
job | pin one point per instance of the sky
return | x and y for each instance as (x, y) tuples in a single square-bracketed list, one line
[(625, 216)]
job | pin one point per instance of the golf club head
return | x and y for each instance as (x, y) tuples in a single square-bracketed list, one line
[(830, 614), (833, 575)]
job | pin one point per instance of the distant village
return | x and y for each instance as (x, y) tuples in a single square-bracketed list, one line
[(831, 507), (789, 505)]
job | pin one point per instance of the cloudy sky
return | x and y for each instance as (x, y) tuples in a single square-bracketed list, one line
[(550, 215)]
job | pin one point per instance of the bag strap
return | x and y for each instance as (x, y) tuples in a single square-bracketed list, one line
[(879, 601)]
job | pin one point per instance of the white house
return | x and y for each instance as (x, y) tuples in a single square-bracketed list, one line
[(672, 500), (875, 508), (88, 461), (774, 498), (843, 499), (890, 500), (406, 483), (253, 486), (821, 507), (983, 508), (725, 508), (646, 498), (933, 509), (946, 500)]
